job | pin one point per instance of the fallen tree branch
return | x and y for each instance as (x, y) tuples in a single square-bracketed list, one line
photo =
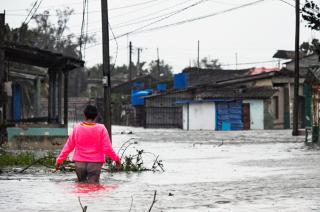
[(154, 200), (34, 163), (125, 150), (84, 209), (124, 144), (131, 203)]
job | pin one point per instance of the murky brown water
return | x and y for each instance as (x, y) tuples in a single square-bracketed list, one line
[(249, 171)]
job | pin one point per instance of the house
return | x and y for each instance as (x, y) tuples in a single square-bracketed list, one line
[(267, 92), (227, 109), (49, 131), (161, 110), (310, 67)]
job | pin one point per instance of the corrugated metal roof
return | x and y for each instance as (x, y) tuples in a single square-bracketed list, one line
[(238, 93)]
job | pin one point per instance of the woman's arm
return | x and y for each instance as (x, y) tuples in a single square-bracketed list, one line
[(107, 148), (68, 147)]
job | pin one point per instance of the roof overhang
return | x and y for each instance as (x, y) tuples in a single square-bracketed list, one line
[(38, 57)]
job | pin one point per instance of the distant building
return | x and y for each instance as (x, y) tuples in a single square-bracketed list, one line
[(256, 98)]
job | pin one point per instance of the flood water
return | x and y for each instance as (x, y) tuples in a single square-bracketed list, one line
[(204, 171)]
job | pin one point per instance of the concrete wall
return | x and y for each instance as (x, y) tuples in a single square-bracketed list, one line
[(36, 138), (185, 117), (199, 116), (30, 143), (256, 114)]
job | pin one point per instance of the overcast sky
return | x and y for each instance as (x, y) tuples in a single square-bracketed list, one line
[(252, 32)]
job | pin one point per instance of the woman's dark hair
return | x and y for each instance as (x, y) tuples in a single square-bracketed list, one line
[(90, 112)]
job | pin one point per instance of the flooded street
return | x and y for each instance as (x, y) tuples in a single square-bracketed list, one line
[(204, 171)]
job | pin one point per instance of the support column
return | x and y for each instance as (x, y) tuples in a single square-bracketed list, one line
[(65, 97), (60, 97), (54, 96), (2, 70), (37, 97), (50, 96)]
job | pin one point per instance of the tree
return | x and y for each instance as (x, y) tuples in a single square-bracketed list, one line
[(310, 48), (56, 38), (209, 63), (311, 14), (164, 73), (49, 36)]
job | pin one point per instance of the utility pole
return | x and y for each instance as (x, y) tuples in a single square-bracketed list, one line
[(236, 60), (295, 126), (198, 63), (158, 63), (138, 62), (106, 67), (130, 61), (2, 70)]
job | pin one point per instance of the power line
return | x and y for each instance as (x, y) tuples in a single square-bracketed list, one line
[(287, 3), (34, 12), (132, 5), (94, 11), (166, 17), (194, 19), (133, 21), (76, 3), (117, 47), (137, 10), (50, 6), (34, 5), (136, 31)]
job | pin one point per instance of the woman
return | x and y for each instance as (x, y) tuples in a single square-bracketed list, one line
[(91, 143)]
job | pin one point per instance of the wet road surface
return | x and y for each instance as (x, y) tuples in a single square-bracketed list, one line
[(204, 171)]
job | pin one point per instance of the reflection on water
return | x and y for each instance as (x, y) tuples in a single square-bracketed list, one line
[(248, 171), (85, 188)]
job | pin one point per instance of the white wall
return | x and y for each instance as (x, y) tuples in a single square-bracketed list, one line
[(185, 109), (201, 116), (256, 114)]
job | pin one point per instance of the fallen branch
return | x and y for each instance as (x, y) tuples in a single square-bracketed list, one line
[(154, 200), (220, 144), (124, 144), (34, 163), (84, 209), (158, 163), (131, 203), (125, 150)]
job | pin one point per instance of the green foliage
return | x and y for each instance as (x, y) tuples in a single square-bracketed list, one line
[(24, 159), (134, 163), (21, 159), (130, 162)]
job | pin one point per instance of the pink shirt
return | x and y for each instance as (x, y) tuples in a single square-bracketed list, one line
[(91, 143)]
